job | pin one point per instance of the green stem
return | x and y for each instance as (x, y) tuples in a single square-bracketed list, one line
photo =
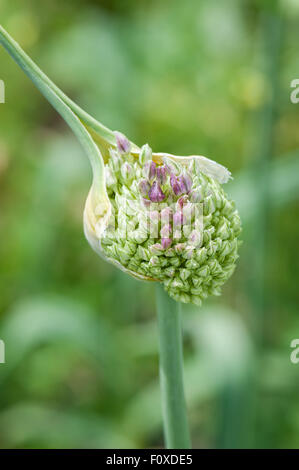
[(171, 372)]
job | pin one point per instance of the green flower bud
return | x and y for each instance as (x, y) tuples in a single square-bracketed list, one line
[(127, 172), (145, 154)]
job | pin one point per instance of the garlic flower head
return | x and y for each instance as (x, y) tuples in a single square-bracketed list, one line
[(157, 216), (165, 218)]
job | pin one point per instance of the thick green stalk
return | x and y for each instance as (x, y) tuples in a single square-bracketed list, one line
[(171, 372)]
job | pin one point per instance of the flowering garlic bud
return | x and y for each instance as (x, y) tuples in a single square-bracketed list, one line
[(169, 221), (156, 216)]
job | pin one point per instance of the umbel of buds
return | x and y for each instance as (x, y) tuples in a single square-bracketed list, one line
[(169, 220)]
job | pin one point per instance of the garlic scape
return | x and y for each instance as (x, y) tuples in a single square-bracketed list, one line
[(156, 216)]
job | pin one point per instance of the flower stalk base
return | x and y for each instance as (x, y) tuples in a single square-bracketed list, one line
[(171, 372)]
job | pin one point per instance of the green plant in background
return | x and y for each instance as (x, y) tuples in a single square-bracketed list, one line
[(158, 217)]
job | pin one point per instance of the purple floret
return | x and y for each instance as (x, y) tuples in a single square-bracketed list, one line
[(185, 183), (175, 184), (144, 187), (161, 174), (123, 144), (155, 193), (166, 242)]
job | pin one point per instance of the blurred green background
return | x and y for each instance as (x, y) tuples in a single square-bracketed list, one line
[(188, 77)]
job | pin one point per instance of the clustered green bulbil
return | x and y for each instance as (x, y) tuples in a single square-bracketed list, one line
[(170, 223)]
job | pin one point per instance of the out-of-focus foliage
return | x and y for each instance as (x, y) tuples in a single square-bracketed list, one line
[(81, 342)]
